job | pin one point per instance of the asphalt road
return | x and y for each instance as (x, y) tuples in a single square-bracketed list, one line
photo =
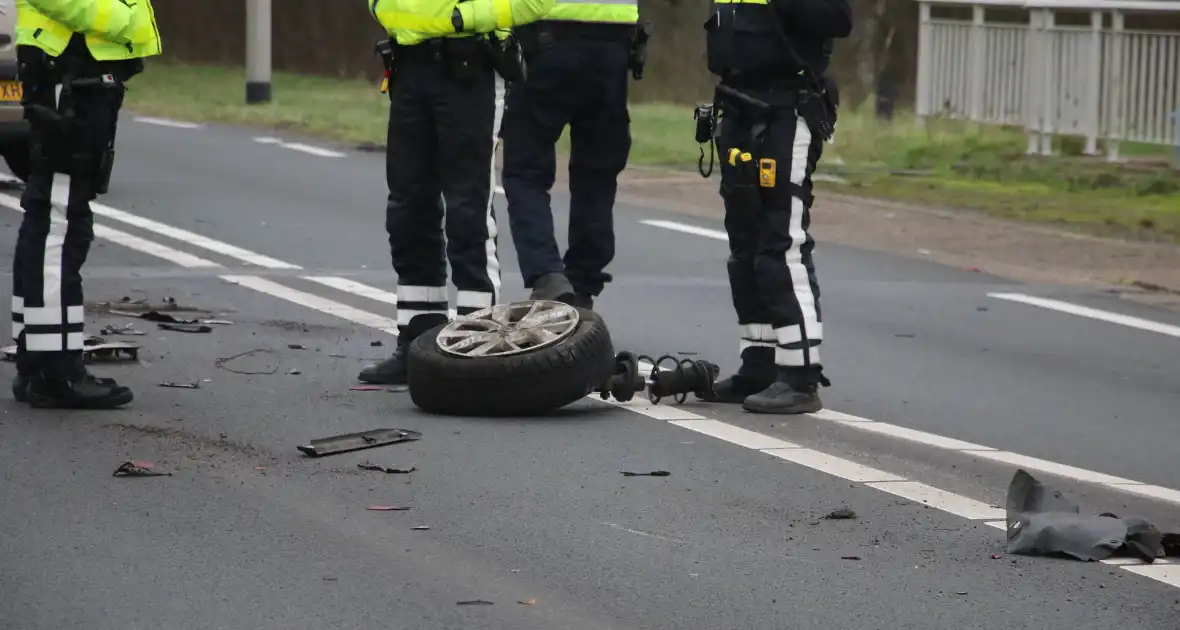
[(940, 392)]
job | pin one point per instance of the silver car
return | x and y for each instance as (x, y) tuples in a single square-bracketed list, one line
[(14, 129)]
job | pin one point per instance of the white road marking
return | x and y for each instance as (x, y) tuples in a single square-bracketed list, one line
[(316, 303), (362, 290), (948, 502), (1092, 313), (131, 241), (686, 228), (299, 146), (167, 122)]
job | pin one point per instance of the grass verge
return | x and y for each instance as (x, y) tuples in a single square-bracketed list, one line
[(946, 163)]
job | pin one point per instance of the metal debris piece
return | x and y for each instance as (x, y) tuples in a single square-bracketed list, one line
[(474, 602), (365, 388), (186, 328), (654, 473), (532, 601), (126, 329), (181, 385), (296, 346), (842, 514), (95, 349), (420, 528), (216, 322), (294, 371), (387, 508), (336, 355), (386, 469), (1042, 522), (139, 469), (221, 363), (358, 441), (850, 557), (157, 316)]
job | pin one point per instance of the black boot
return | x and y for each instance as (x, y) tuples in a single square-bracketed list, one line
[(795, 391), (65, 383), (555, 287), (756, 374), (396, 369)]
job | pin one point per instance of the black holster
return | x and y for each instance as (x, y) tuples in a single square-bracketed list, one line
[(638, 58), (506, 56)]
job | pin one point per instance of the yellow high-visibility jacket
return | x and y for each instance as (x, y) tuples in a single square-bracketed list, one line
[(411, 22), (115, 30)]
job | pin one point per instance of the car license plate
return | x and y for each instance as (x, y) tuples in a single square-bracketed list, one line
[(11, 91)]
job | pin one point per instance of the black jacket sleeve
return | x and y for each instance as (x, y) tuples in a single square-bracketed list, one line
[(818, 18)]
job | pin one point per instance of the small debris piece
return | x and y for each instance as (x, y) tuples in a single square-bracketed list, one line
[(181, 385), (127, 300), (654, 473), (296, 346), (421, 528), (376, 343), (474, 602), (186, 328), (294, 371), (220, 363), (386, 469), (366, 388), (386, 508), (138, 469), (126, 329), (328, 578), (842, 514), (960, 592), (216, 322), (996, 556), (162, 318), (358, 441), (528, 602), (850, 557), (336, 355)]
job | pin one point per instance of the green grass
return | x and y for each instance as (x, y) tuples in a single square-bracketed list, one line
[(943, 162)]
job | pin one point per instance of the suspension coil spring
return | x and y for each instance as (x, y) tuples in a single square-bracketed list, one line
[(681, 378)]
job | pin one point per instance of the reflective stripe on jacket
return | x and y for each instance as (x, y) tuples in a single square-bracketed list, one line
[(602, 11), (414, 21), (114, 30)]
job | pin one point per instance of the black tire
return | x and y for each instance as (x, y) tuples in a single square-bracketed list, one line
[(17, 156), (519, 385)]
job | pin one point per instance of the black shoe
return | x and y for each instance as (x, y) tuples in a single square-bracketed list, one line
[(81, 391), (393, 371), (737, 388), (553, 286), (581, 300), (783, 398), (20, 387)]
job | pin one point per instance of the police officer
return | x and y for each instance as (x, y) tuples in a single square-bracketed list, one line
[(446, 103), (776, 111), (579, 57), (73, 57)]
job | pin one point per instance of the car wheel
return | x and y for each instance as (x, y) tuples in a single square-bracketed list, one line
[(518, 359), (17, 155)]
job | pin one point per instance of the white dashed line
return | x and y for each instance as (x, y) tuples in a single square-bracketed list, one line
[(917, 492), (299, 146), (687, 229), (166, 122), (1092, 313)]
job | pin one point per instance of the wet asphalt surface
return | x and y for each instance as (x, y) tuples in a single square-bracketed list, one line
[(249, 533)]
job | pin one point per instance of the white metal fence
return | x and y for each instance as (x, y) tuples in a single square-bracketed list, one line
[(1010, 62)]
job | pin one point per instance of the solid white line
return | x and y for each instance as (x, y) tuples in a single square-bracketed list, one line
[(946, 501), (1016, 460), (312, 150), (61, 194), (912, 435), (167, 122), (356, 288), (315, 302), (174, 256), (733, 434), (686, 228), (1092, 313), (1152, 492)]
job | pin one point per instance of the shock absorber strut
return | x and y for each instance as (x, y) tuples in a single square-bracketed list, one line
[(678, 379)]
